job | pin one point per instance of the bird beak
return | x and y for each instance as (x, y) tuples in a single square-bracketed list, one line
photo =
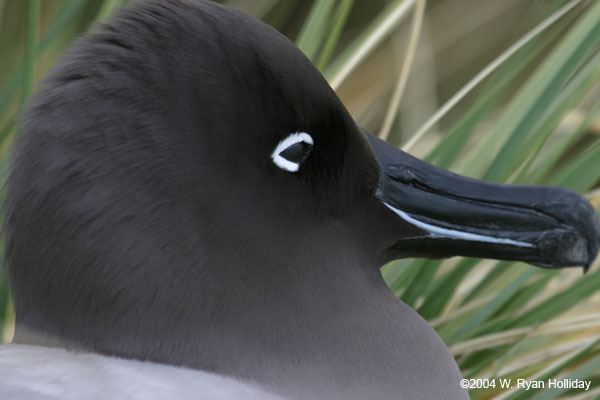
[(545, 226)]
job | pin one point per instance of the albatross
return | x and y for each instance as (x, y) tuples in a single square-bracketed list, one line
[(192, 213)]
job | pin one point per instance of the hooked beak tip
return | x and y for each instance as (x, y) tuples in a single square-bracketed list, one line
[(545, 226)]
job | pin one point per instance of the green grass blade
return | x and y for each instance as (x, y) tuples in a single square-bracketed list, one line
[(421, 281), (541, 313), (312, 34), (537, 94), (551, 157), (108, 7), (467, 328), (394, 273), (561, 302), (567, 99), (409, 274), (455, 141), (364, 44), (7, 130), (584, 371), (528, 292), (444, 287), (581, 173), (484, 73), (33, 11), (556, 368), (501, 268), (339, 21), (64, 18), (2, 5), (66, 15)]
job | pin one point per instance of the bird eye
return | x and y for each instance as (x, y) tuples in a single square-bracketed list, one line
[(292, 151)]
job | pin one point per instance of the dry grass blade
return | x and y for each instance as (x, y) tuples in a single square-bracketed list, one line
[(548, 371), (365, 47), (553, 327), (477, 79), (392, 111)]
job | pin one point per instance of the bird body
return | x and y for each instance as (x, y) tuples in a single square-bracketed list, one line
[(192, 204)]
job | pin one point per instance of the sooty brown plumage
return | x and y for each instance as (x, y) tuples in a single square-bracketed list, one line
[(146, 219)]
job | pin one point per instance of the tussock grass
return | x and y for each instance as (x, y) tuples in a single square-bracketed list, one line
[(522, 107)]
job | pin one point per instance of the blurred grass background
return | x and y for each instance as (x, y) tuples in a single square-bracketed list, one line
[(500, 90)]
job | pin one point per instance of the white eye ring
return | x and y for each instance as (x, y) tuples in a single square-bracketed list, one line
[(297, 137)]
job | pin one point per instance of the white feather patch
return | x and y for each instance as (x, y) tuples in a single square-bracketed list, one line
[(292, 139), (44, 373)]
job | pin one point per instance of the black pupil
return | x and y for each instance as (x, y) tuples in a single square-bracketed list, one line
[(297, 152)]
